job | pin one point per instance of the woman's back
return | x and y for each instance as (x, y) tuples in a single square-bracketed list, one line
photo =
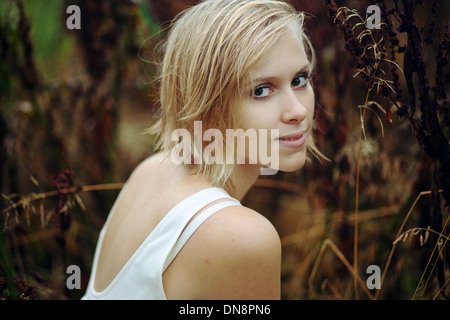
[(154, 192), (151, 191)]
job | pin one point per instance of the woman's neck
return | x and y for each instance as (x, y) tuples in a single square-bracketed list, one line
[(242, 180), (237, 186)]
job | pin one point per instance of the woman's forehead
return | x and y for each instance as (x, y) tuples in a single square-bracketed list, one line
[(287, 55)]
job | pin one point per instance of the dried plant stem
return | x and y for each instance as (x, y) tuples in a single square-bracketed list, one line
[(72, 190), (441, 289), (333, 289), (299, 273), (391, 253), (431, 256), (355, 244), (415, 231), (341, 256), (400, 231), (336, 223)]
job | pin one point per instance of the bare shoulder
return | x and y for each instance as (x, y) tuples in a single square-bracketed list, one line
[(241, 227), (154, 167), (148, 165), (244, 253), (235, 254), (243, 231)]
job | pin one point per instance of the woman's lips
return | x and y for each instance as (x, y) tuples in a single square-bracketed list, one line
[(295, 140)]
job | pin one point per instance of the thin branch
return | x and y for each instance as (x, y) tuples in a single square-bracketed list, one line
[(73, 190), (340, 255)]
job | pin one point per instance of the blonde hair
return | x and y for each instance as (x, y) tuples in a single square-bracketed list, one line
[(209, 53)]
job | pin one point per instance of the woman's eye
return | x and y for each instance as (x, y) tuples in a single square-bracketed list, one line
[(262, 92), (300, 81)]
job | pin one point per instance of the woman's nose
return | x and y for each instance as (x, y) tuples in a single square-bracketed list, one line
[(294, 111)]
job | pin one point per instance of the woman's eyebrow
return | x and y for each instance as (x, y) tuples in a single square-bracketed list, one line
[(304, 69)]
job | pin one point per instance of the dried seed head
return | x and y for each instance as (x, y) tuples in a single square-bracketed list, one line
[(427, 234)]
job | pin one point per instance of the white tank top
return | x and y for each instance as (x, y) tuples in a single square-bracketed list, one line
[(141, 277)]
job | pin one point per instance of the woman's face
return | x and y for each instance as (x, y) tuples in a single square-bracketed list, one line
[(281, 97)]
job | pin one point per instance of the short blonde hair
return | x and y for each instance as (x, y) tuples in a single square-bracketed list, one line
[(209, 53)]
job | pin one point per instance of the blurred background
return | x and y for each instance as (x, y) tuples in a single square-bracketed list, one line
[(74, 105)]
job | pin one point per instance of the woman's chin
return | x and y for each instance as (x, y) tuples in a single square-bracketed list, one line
[(293, 162), (289, 167)]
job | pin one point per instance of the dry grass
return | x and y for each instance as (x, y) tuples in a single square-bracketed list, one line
[(370, 206)]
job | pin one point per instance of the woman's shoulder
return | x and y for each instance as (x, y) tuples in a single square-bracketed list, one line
[(235, 254), (153, 173), (149, 165), (241, 232), (239, 223)]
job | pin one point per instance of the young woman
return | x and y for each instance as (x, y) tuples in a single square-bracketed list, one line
[(177, 229)]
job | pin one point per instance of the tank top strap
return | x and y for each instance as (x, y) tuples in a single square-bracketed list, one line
[(169, 230), (193, 226)]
